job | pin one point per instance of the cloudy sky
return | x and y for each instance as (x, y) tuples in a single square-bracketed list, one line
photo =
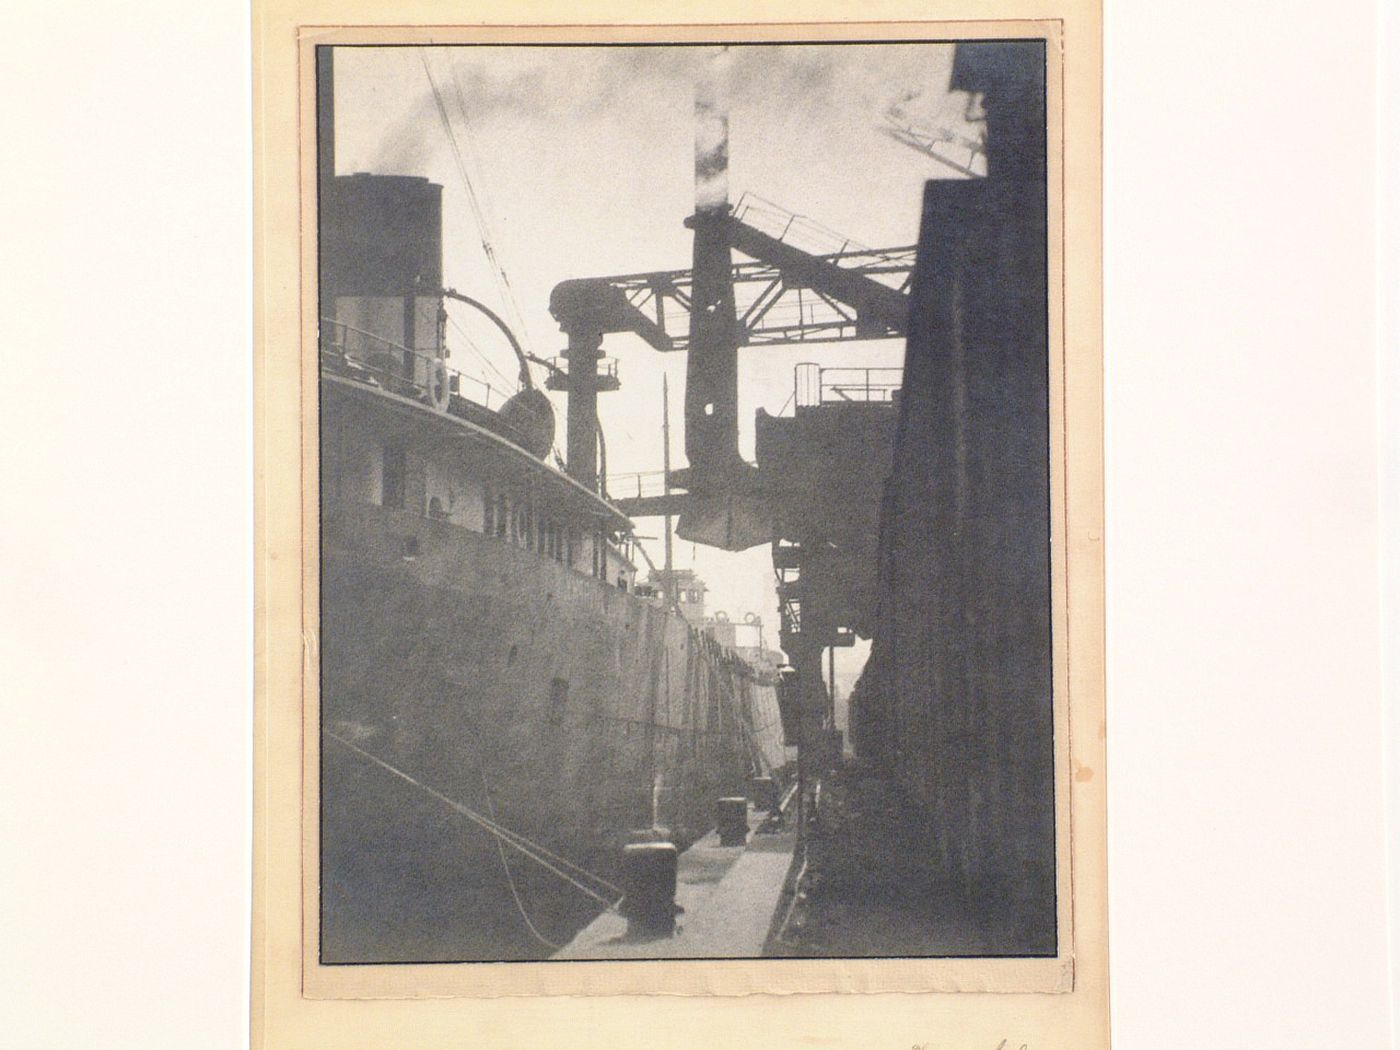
[(582, 164)]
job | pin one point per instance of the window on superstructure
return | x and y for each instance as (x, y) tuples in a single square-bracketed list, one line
[(395, 469), (488, 512), (502, 514)]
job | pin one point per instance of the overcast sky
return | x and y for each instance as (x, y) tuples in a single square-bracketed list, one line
[(582, 161)]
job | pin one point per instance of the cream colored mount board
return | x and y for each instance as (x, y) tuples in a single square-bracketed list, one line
[(1056, 1000)]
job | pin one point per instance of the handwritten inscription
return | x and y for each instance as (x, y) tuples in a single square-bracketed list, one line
[(1005, 1044)]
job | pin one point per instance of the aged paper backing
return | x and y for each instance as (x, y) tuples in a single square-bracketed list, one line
[(945, 1002)]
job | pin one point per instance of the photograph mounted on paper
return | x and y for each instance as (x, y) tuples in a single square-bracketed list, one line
[(687, 464)]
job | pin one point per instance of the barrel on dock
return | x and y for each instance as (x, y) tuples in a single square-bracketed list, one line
[(649, 887), (830, 747), (765, 794), (732, 818)]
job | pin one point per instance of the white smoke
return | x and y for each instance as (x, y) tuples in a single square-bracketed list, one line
[(828, 83), (712, 133)]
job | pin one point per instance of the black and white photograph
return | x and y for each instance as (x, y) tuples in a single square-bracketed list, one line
[(858, 524), (685, 502)]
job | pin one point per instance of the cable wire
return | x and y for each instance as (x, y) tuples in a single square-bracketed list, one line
[(483, 227), (510, 878), (483, 211), (475, 348), (532, 850)]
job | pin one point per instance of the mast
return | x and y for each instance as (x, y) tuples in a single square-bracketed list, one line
[(666, 483), (669, 585), (325, 113), (325, 166)]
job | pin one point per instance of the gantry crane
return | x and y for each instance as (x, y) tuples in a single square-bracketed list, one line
[(801, 283), (814, 492)]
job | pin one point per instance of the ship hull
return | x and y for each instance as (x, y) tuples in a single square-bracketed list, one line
[(465, 680)]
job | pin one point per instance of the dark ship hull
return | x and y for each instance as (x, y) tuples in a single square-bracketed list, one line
[(465, 674)]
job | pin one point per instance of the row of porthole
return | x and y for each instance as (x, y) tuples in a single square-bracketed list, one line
[(545, 537)]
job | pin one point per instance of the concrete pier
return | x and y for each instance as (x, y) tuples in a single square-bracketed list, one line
[(729, 894)]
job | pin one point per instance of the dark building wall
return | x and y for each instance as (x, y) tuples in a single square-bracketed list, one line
[(824, 468), (955, 703)]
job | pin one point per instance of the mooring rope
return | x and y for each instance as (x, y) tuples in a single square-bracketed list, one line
[(510, 878), (533, 850)]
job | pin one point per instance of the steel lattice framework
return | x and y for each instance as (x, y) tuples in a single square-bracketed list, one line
[(774, 305)]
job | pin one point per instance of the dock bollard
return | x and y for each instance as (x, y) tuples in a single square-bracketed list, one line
[(649, 887), (732, 818), (833, 748), (765, 794)]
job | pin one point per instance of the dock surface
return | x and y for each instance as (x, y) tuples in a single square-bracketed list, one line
[(729, 894)]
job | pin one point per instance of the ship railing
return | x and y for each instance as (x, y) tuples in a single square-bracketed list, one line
[(559, 365), (790, 616), (352, 351), (788, 577), (814, 385), (800, 316), (800, 231), (637, 485)]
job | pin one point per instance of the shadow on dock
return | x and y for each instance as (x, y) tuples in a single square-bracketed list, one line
[(870, 888)]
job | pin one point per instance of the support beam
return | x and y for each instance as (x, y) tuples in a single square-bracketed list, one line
[(583, 353), (712, 367), (656, 306), (325, 113), (669, 505), (879, 308)]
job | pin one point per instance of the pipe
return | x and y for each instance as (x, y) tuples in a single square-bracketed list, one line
[(520, 354)]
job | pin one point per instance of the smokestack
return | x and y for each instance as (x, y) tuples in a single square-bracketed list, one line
[(712, 365), (712, 134)]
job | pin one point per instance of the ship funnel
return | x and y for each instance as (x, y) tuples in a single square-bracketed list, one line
[(381, 271), (712, 365)]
